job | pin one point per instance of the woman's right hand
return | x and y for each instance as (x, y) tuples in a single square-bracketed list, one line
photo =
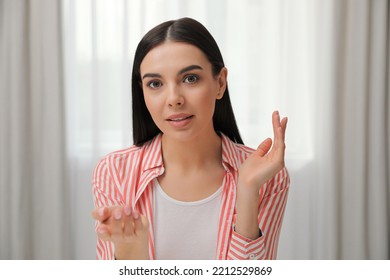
[(127, 229)]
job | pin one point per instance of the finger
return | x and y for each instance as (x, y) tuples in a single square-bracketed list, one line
[(264, 147), (280, 144), (117, 222), (283, 124), (128, 228), (103, 233), (276, 125), (101, 214), (279, 127), (140, 222)]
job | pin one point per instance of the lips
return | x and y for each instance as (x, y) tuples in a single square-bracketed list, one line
[(180, 121), (178, 117)]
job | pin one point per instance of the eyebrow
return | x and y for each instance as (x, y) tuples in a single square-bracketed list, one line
[(189, 68), (185, 69)]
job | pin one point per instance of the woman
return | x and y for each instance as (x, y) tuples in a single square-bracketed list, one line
[(188, 188)]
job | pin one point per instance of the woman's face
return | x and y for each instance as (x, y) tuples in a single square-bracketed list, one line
[(180, 90)]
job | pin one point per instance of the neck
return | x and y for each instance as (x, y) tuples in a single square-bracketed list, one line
[(196, 153)]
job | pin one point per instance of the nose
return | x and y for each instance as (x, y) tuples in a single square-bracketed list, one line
[(175, 98)]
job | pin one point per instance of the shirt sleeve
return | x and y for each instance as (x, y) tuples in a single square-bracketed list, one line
[(105, 193), (272, 204)]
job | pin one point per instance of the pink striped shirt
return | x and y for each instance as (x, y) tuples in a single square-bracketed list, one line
[(125, 177)]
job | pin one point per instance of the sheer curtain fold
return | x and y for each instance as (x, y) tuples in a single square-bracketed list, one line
[(14, 199), (352, 164), (378, 165), (363, 166), (33, 164)]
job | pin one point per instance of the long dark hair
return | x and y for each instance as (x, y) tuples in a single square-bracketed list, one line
[(189, 31)]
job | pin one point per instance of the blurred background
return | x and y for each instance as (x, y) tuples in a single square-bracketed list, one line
[(65, 69)]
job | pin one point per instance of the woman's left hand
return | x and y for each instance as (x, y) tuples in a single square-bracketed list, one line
[(265, 162)]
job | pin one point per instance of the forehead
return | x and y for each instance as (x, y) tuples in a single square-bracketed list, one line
[(173, 56)]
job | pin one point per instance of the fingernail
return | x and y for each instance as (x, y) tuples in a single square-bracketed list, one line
[(101, 230), (118, 215), (127, 210), (135, 215), (101, 212)]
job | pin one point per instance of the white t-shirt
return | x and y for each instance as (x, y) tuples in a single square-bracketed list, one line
[(185, 230)]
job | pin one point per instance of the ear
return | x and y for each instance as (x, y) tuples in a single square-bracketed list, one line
[(222, 82)]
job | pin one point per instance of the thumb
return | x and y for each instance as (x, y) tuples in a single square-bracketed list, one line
[(264, 147)]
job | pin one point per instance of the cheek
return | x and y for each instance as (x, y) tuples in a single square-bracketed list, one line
[(207, 104), (208, 96), (151, 105)]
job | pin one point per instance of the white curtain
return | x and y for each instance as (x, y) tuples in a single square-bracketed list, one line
[(351, 211), (324, 64), (34, 196), (347, 182)]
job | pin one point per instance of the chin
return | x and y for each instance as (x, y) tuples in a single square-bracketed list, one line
[(183, 135), (187, 135)]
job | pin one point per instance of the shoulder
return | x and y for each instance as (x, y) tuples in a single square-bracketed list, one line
[(131, 158), (116, 160), (116, 157)]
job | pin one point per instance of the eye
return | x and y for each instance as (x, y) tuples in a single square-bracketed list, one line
[(191, 79), (154, 84)]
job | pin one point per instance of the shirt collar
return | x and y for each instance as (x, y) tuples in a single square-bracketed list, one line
[(230, 153), (152, 154)]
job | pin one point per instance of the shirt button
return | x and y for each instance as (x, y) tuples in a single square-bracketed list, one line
[(252, 256)]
